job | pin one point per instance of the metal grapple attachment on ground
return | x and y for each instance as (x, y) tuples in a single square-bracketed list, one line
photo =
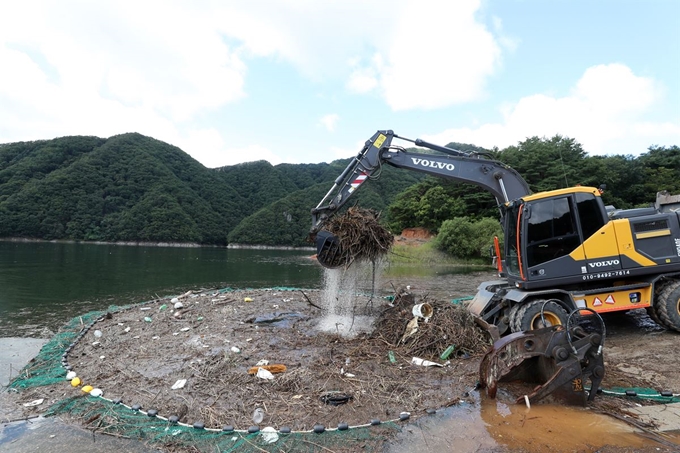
[(560, 360)]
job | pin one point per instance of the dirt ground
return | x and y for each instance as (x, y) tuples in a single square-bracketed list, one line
[(338, 366)]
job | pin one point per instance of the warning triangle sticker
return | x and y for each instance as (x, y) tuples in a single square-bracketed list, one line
[(609, 300), (597, 302)]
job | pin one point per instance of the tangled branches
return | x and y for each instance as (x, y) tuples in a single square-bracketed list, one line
[(359, 236)]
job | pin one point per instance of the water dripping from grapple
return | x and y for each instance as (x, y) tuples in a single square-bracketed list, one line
[(329, 252)]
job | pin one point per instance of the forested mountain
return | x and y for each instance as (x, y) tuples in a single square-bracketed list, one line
[(134, 188)]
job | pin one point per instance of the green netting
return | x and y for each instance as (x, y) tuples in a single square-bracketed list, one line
[(108, 417), (117, 419), (641, 392), (46, 368)]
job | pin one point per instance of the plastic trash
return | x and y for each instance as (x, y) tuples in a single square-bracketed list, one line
[(420, 362), (424, 311), (178, 305), (235, 349), (179, 384), (147, 319), (264, 374), (390, 355), (269, 435), (258, 415), (98, 333), (447, 352), (411, 328), (34, 403)]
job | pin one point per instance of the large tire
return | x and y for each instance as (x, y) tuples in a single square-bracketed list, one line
[(528, 317), (667, 306)]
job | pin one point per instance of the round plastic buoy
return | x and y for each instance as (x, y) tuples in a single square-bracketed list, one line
[(253, 429), (96, 392), (87, 388), (343, 426), (285, 430), (228, 428), (150, 412), (75, 381), (319, 429), (70, 375), (173, 419)]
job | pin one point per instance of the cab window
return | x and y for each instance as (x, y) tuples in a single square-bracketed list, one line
[(551, 230)]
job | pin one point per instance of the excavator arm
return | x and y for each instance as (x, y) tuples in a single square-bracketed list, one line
[(502, 181)]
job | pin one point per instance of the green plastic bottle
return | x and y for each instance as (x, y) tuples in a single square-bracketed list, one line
[(447, 352)]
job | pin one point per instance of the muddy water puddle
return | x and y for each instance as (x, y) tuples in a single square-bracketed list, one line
[(491, 425)]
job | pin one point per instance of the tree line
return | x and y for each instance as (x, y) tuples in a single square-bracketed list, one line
[(135, 188)]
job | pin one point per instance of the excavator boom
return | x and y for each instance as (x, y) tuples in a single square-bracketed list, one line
[(499, 179)]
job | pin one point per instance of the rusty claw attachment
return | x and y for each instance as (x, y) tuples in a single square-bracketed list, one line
[(560, 362)]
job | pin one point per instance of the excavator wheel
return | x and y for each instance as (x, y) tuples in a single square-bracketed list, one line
[(528, 316), (667, 306)]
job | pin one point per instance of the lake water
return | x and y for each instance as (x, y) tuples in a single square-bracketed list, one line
[(44, 284)]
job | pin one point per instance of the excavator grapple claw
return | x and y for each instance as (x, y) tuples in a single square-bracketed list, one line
[(328, 250), (561, 361)]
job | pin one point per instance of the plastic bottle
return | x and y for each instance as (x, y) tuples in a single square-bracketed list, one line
[(447, 352)]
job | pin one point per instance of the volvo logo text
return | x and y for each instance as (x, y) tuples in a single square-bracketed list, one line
[(433, 164), (604, 263)]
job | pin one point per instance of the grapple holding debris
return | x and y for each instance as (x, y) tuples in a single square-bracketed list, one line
[(357, 234), (561, 360)]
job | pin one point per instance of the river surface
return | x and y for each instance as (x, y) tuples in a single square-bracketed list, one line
[(44, 284)]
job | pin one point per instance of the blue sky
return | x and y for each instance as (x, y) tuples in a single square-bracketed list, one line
[(304, 81)]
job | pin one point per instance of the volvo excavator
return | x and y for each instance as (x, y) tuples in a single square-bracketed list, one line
[(564, 252)]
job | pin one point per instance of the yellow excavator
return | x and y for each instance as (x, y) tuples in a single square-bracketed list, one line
[(564, 251)]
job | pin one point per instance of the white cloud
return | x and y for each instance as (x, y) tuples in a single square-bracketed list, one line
[(96, 69), (330, 121), (604, 112), (443, 62), (165, 68)]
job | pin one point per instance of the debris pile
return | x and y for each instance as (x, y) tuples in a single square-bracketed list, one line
[(360, 236), (449, 325)]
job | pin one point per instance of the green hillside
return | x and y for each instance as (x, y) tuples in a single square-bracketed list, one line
[(135, 188)]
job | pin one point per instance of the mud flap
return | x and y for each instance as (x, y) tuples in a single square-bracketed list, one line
[(560, 362)]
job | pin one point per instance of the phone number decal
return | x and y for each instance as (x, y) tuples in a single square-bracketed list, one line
[(606, 275)]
